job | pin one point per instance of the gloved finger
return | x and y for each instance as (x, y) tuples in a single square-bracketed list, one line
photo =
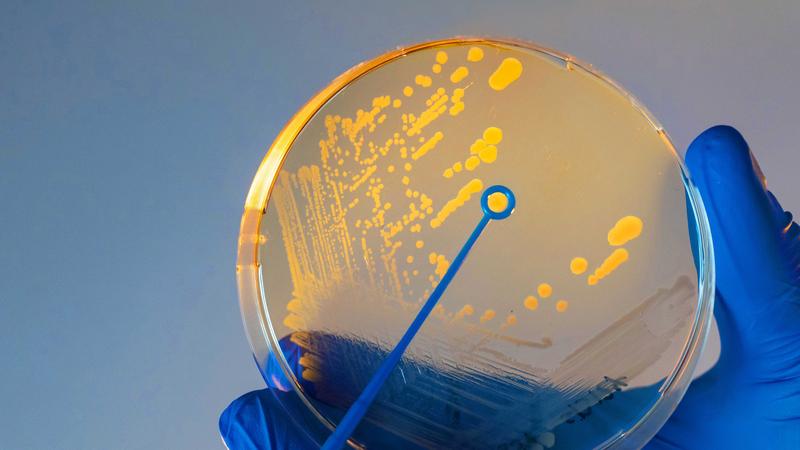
[(272, 372), (746, 223), (322, 363), (756, 307), (257, 421)]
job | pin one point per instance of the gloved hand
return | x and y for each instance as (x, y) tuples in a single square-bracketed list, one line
[(751, 398)]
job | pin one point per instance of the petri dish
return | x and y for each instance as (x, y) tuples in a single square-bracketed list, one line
[(575, 322)]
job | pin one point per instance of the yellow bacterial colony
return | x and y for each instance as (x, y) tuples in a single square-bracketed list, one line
[(626, 229), (423, 80), (466, 310), (497, 202), (609, 265), (545, 290), (474, 54), (459, 74), (508, 71), (578, 265)]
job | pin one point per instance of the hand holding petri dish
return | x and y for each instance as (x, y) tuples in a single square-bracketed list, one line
[(507, 226)]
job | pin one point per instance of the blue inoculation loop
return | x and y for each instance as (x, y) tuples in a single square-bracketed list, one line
[(359, 408)]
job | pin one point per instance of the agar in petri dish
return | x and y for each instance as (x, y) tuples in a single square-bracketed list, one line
[(574, 322)]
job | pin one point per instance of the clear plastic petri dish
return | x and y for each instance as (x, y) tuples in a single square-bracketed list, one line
[(574, 322)]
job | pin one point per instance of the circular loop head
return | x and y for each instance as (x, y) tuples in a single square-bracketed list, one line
[(498, 202)]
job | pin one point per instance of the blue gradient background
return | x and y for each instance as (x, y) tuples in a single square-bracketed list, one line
[(129, 135)]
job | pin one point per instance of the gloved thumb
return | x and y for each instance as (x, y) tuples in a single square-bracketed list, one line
[(755, 267)]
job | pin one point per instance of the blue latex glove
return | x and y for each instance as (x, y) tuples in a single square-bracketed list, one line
[(751, 398)]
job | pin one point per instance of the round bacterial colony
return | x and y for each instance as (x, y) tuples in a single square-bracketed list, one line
[(574, 322)]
